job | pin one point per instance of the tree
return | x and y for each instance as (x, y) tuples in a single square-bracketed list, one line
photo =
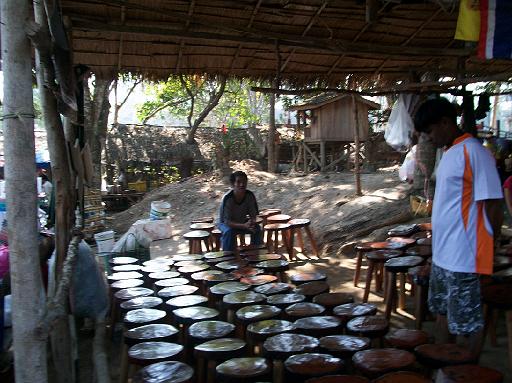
[(27, 288), (191, 96)]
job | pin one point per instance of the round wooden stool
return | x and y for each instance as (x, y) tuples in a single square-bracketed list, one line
[(350, 311), (203, 331), (186, 301), (165, 372), (258, 332), (278, 218), (284, 300), (125, 284), (343, 346), (364, 247), (177, 291), (406, 339), (124, 275), (139, 317), (468, 374), (195, 262), (205, 219), (157, 332), (255, 313), (231, 265), (206, 226), (393, 267), (402, 377), (420, 251), (218, 291), (217, 254), (215, 239), (214, 351), (273, 231), (319, 326), (376, 362), (262, 257), (331, 300), (282, 346), (116, 261), (160, 261), (368, 326), (146, 353), (274, 288), (296, 226), (277, 267), (152, 278), (376, 260), (258, 280), (442, 355), (130, 267), (133, 292), (187, 257), (311, 289), (163, 283), (302, 366), (154, 268), (194, 239), (185, 316), (213, 261), (239, 299), (187, 271), (213, 279), (299, 278), (244, 370), (141, 303), (247, 271), (338, 379), (403, 230), (303, 309)]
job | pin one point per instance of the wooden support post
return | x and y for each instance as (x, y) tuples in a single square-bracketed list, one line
[(371, 10), (28, 298), (305, 155), (357, 144), (322, 156)]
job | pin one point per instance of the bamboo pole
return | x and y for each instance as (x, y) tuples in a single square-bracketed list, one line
[(19, 147), (357, 173)]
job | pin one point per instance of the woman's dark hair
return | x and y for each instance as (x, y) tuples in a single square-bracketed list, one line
[(432, 111), (235, 175)]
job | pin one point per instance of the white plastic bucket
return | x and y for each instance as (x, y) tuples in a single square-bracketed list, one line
[(105, 241), (159, 210)]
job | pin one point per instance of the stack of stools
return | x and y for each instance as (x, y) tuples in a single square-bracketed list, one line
[(195, 238)]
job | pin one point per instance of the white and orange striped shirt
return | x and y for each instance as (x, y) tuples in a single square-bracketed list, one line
[(462, 237)]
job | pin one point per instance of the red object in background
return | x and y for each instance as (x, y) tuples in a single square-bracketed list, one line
[(224, 129)]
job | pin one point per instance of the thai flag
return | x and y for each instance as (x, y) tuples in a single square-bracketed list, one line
[(495, 29)]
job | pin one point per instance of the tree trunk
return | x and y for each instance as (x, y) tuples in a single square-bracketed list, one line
[(96, 129), (271, 138), (357, 172), (63, 193), (28, 300)]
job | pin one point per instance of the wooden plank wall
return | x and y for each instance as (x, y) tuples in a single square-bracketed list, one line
[(334, 121)]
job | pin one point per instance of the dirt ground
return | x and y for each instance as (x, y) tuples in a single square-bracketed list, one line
[(338, 219)]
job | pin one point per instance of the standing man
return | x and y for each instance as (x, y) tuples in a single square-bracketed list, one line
[(238, 211), (467, 214)]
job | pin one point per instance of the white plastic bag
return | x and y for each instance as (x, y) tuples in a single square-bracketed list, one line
[(400, 126), (406, 171)]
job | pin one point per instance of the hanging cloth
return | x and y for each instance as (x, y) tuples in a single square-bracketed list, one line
[(495, 29)]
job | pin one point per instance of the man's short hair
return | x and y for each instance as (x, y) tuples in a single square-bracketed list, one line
[(432, 111), (235, 175)]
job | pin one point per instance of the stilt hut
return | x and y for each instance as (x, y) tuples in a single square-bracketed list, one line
[(330, 123)]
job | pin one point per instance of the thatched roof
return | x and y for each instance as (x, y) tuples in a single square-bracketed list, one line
[(309, 40), (326, 98)]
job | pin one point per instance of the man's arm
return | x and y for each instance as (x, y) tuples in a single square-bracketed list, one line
[(494, 211)]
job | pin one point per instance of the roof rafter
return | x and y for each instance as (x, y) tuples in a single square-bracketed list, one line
[(182, 43)]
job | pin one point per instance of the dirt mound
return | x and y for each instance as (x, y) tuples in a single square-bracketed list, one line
[(329, 200)]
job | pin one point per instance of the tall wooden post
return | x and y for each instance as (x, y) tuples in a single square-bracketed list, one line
[(357, 173), (322, 156), (28, 301)]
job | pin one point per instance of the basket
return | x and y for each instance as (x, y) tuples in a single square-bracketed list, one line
[(139, 186), (420, 207)]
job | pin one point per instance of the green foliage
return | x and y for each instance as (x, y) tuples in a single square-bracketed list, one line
[(237, 106)]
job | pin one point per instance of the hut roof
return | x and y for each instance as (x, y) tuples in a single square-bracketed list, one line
[(309, 41), (327, 98)]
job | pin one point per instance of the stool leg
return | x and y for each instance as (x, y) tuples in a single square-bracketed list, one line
[(292, 237), (420, 302), (401, 296), (369, 275), (301, 241), (312, 240), (123, 371), (391, 294), (286, 241), (276, 241), (358, 268), (190, 246), (378, 276)]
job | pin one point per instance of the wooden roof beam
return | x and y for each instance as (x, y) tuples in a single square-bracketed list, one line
[(249, 25), (182, 43), (308, 27), (268, 38)]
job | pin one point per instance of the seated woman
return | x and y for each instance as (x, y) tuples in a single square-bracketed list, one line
[(238, 212)]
